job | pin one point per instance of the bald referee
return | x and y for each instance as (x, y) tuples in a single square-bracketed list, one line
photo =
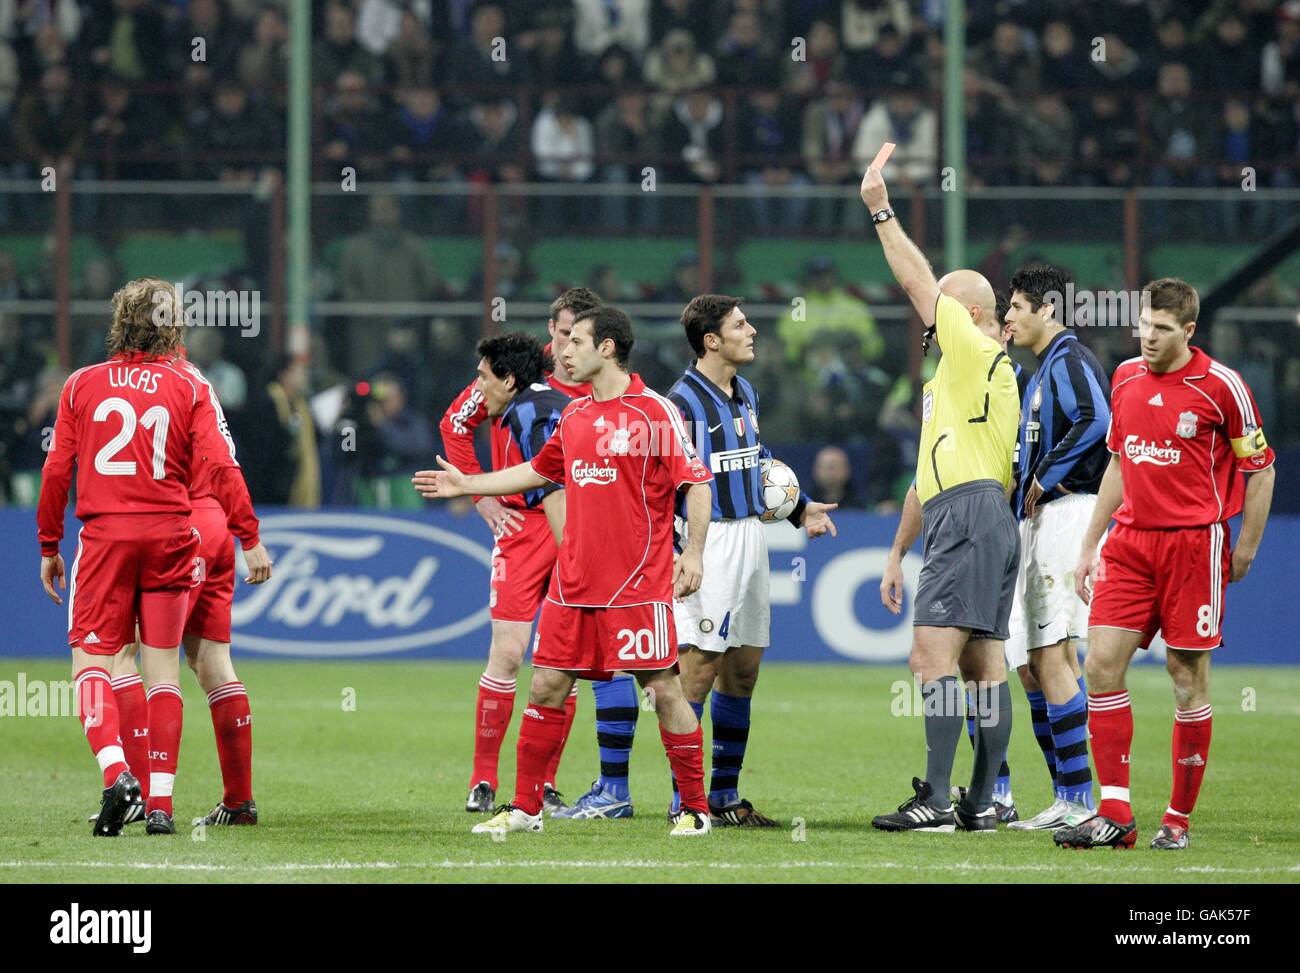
[(970, 413)]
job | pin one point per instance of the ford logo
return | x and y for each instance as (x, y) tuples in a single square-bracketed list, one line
[(354, 585)]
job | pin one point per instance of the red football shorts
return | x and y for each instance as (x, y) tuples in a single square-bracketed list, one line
[(521, 570), (209, 611), (596, 642), (130, 565), (1169, 581)]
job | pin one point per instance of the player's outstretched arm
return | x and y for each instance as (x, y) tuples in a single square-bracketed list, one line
[(1109, 496), (1259, 498), (450, 482), (688, 570), (909, 528), (909, 266)]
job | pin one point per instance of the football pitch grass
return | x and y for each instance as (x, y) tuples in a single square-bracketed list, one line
[(360, 772)]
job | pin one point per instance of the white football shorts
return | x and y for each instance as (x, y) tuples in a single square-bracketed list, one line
[(1046, 609), (733, 605)]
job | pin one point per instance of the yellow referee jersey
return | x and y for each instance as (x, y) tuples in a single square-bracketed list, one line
[(970, 410)]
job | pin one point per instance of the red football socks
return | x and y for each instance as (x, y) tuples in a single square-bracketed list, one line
[(686, 758), (97, 711), (133, 724), (232, 722), (1110, 724), (541, 734), (1191, 754), (570, 708), (166, 714), (496, 701)]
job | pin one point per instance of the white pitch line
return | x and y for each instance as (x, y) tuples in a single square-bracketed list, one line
[(642, 864)]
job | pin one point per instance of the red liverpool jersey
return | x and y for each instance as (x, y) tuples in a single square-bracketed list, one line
[(621, 463), (140, 429), (1183, 438)]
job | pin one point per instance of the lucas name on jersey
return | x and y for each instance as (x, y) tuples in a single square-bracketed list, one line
[(140, 379)]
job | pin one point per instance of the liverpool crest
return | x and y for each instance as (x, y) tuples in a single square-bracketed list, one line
[(1186, 424)]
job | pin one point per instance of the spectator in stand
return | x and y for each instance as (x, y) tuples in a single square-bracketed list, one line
[(1064, 65), (221, 35), (1182, 132), (125, 39), (684, 282), (902, 119), (203, 346), (50, 126), (413, 59), (424, 127), (830, 127), (263, 64), (405, 435), (1009, 61), (600, 23), (482, 60), (676, 66), (745, 57), (625, 132), (553, 60), (1110, 139), (379, 265), (828, 310), (604, 280), (1044, 141), (892, 63), (564, 147), (833, 478), (693, 133), (121, 127), (1235, 57), (689, 15), (1174, 44), (356, 132), (229, 132), (515, 279), (405, 357), (495, 135), (822, 61), (379, 24), (1256, 363), (10, 287), (1280, 60), (769, 146), (337, 50), (861, 21), (278, 423)]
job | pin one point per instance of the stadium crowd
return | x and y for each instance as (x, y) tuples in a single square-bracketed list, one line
[(799, 93)]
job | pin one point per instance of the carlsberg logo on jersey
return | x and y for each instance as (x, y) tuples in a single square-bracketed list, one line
[(1141, 451), (586, 474), (355, 584)]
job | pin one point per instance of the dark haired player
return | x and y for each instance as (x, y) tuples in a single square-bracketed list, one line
[(1183, 429), (1065, 411), (622, 455), (723, 628), (511, 388)]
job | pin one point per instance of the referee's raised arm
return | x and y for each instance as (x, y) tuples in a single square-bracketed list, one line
[(909, 266)]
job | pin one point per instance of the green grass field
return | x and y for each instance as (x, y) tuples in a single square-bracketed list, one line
[(375, 794)]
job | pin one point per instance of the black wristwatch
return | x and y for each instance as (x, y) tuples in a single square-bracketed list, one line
[(882, 216)]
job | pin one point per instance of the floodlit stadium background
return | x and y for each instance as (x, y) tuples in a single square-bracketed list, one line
[(417, 175)]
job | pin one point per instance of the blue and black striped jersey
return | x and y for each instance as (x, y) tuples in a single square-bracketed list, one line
[(1064, 414), (724, 429), (522, 430)]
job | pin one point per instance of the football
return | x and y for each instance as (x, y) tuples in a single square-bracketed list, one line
[(780, 490)]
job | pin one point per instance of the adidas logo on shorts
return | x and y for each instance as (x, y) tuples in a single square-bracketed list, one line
[(91, 639)]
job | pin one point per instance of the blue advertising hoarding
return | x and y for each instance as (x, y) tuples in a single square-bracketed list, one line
[(365, 584)]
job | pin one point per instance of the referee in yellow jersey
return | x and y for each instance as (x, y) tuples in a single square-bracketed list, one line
[(970, 414)]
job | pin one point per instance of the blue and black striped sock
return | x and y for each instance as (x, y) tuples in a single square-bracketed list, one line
[(677, 798), (1070, 738), (616, 710), (730, 716), (1043, 730), (970, 719)]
